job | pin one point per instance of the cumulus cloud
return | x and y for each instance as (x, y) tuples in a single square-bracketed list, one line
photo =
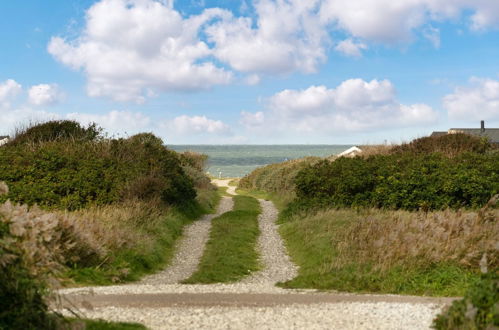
[(130, 46), (45, 94), (198, 125), (355, 105), (478, 101), (349, 47), (9, 89), (131, 49), (284, 37)]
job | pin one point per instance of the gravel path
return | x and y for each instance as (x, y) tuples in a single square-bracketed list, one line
[(160, 302), (190, 248), (277, 267), (321, 316)]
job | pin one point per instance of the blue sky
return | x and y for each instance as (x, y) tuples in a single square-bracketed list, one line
[(254, 71)]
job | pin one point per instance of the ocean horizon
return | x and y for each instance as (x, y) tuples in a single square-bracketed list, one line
[(237, 160)]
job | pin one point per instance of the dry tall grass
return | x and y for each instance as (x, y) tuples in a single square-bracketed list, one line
[(48, 241), (386, 239)]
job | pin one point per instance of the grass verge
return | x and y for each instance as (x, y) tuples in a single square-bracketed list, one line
[(231, 250), (389, 251)]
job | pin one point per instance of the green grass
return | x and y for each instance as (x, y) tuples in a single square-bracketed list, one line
[(312, 246), (143, 259), (231, 250)]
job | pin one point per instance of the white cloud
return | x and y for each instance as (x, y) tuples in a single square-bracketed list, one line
[(9, 89), (129, 46), (354, 106), (131, 49), (20, 117), (389, 21), (349, 47), (285, 37), (45, 94), (249, 119), (198, 125), (115, 121), (433, 35), (478, 101), (252, 80)]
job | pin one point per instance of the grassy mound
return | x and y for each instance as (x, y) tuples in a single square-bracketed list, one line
[(47, 166), (94, 210)]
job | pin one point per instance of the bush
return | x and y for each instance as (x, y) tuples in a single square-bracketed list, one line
[(72, 174), (479, 309), (450, 145), (276, 178), (54, 131), (29, 258), (403, 180)]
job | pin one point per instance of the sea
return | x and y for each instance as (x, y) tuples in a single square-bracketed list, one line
[(234, 161)]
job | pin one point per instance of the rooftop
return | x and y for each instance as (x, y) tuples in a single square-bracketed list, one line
[(490, 133)]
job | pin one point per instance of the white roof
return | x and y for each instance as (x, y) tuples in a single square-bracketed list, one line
[(4, 141), (349, 151)]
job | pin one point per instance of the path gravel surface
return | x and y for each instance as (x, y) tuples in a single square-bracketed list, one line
[(322, 316), (160, 302), (189, 249), (277, 266)]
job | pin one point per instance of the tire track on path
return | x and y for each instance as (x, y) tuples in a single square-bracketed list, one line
[(189, 249)]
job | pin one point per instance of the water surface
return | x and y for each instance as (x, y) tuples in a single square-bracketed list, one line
[(230, 161)]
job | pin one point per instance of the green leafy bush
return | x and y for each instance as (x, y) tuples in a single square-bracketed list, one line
[(450, 145), (400, 181), (72, 174), (479, 309), (56, 130)]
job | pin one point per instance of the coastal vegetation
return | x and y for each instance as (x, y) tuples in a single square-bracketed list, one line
[(230, 253), (414, 219), (79, 207)]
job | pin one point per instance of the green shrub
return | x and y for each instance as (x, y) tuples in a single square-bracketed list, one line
[(479, 309), (450, 145), (72, 174), (56, 130), (403, 180)]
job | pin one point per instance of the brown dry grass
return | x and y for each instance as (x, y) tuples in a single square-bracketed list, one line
[(46, 241), (391, 238), (376, 149)]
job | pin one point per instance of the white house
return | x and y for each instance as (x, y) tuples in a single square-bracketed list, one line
[(3, 140), (351, 152)]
